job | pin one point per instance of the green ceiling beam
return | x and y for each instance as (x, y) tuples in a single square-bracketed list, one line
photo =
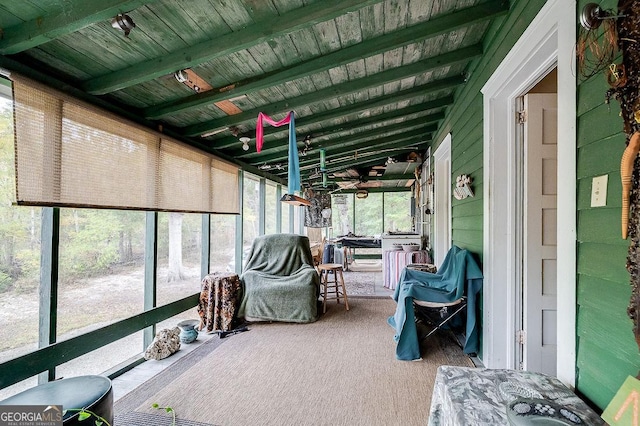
[(415, 137), (463, 55), (373, 190), (333, 144), (371, 160), (76, 15), (227, 44), (343, 162), (331, 139), (384, 177), (404, 95), (365, 49), (281, 144)]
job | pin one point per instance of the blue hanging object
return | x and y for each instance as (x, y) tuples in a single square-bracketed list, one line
[(294, 162)]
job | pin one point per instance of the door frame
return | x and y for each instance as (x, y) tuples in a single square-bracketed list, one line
[(548, 41), (442, 200)]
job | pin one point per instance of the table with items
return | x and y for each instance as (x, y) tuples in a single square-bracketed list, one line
[(219, 300)]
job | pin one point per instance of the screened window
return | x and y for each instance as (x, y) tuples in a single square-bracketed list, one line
[(397, 211), (19, 261), (271, 203), (250, 209)]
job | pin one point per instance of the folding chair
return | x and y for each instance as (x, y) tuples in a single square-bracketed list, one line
[(436, 314), (447, 294)]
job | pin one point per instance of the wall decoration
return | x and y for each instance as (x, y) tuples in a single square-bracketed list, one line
[(318, 214), (626, 171), (463, 189)]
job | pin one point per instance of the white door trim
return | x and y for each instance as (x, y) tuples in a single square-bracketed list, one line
[(548, 41), (442, 200)]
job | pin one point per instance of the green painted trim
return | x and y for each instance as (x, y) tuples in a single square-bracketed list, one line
[(375, 190), (77, 14), (463, 55), (262, 194), (278, 209), (124, 367), (205, 250), (367, 256), (292, 213), (48, 290), (239, 224), (28, 365), (259, 32), (383, 212), (368, 48), (5, 82), (150, 272)]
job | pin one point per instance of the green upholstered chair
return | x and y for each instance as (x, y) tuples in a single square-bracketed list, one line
[(279, 282)]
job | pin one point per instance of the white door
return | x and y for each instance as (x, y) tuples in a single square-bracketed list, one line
[(442, 201), (540, 233)]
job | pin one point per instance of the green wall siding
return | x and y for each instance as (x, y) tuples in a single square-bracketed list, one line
[(606, 350), (465, 123)]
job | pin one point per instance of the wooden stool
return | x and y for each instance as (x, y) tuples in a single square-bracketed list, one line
[(327, 286)]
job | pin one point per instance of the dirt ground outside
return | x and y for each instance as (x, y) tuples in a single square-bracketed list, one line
[(92, 303), (86, 305)]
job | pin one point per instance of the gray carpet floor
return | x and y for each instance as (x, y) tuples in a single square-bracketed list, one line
[(339, 370)]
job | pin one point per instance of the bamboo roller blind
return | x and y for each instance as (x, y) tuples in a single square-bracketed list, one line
[(72, 154)]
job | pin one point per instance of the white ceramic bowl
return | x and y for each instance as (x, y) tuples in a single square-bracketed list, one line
[(410, 247)]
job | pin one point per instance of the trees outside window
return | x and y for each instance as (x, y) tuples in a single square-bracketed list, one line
[(270, 208), (368, 215), (397, 211)]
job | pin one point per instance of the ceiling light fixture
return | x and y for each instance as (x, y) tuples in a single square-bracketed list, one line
[(592, 16), (189, 78), (124, 23), (362, 194), (181, 76), (245, 142), (294, 200)]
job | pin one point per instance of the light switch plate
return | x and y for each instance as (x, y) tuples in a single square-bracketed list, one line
[(599, 191)]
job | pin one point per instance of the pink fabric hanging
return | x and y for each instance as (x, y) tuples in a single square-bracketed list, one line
[(260, 129)]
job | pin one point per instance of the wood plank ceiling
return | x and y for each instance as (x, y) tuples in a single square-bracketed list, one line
[(369, 80)]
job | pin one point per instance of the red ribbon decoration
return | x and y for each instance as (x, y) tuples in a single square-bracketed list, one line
[(260, 130)]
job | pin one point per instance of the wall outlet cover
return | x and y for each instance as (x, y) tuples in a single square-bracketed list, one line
[(599, 191)]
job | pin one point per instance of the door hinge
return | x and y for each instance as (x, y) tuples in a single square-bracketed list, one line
[(521, 337), (522, 116)]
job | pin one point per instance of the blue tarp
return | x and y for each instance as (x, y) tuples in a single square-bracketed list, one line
[(458, 270)]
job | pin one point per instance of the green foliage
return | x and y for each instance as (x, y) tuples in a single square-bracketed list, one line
[(85, 414), (369, 219), (93, 241), (168, 410), (5, 282)]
